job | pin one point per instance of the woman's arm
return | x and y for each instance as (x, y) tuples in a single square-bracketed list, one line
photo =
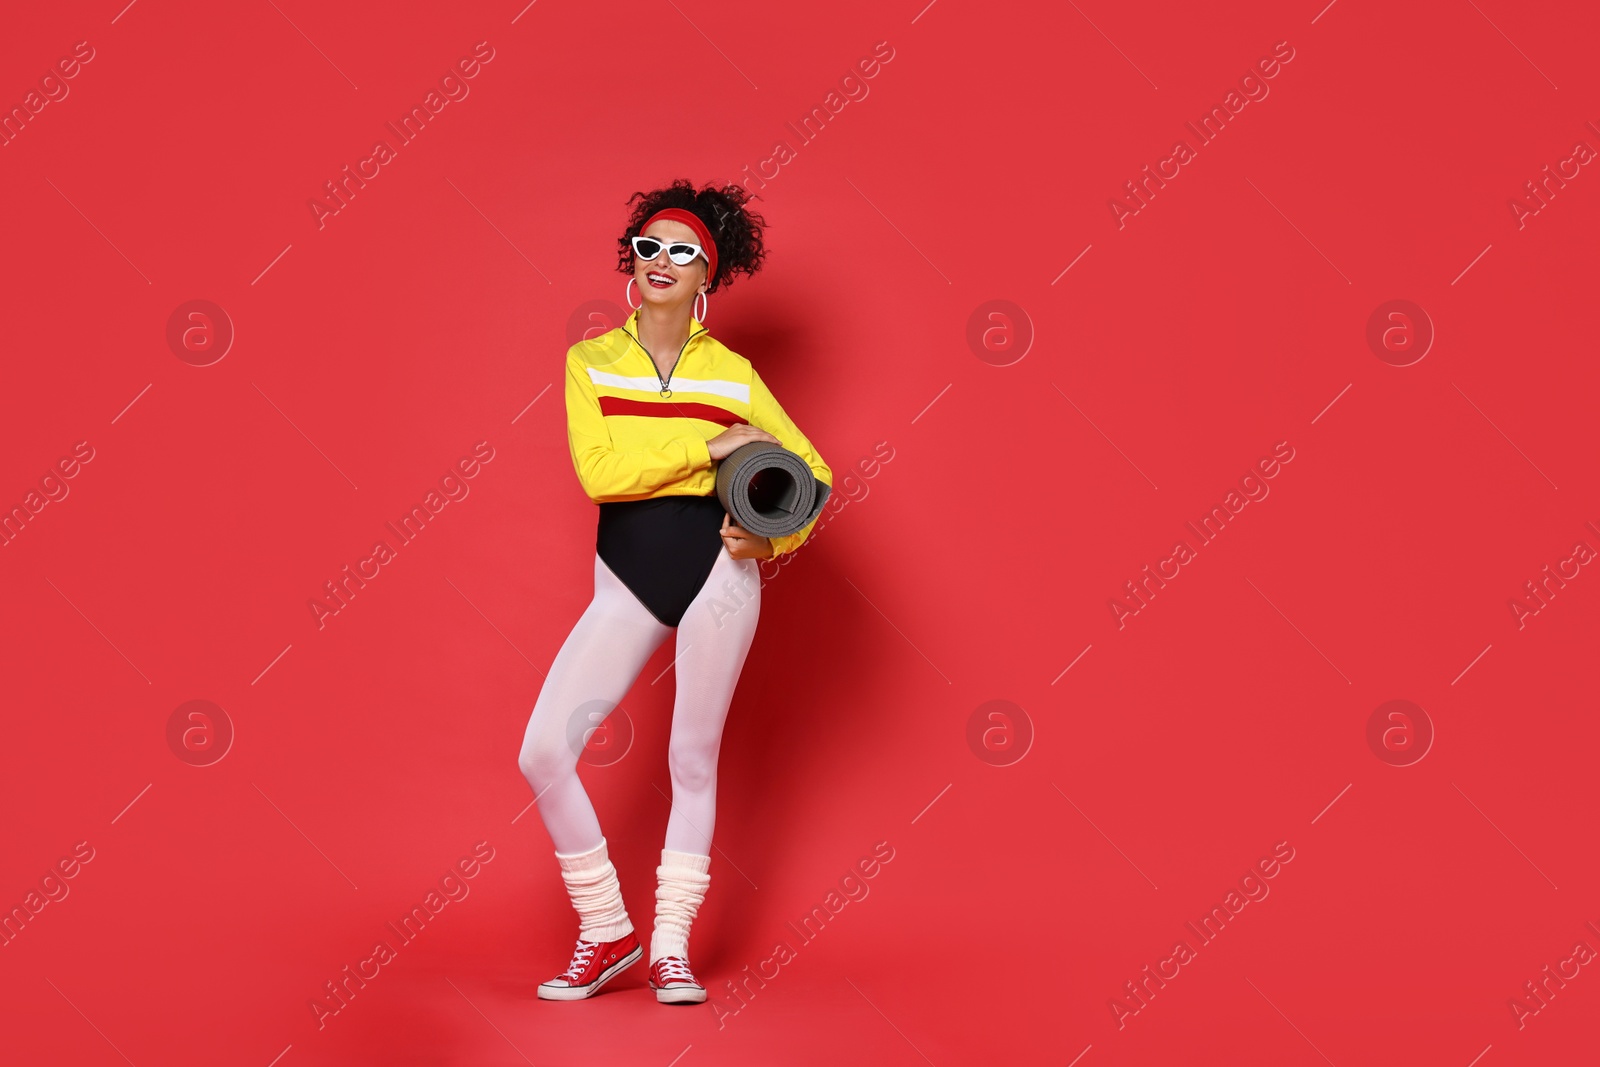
[(768, 414), (606, 472)]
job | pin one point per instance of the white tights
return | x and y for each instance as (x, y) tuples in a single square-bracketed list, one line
[(596, 667)]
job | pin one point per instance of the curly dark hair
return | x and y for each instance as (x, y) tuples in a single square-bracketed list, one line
[(735, 228)]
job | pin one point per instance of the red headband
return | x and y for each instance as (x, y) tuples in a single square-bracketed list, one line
[(690, 219)]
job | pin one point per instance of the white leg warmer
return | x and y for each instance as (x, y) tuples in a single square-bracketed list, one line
[(684, 878), (596, 896)]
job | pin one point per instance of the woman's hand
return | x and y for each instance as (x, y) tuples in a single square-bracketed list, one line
[(740, 433), (741, 543)]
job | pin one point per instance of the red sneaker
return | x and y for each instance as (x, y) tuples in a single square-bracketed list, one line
[(673, 982), (594, 963)]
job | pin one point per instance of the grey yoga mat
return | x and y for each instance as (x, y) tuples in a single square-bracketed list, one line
[(769, 490)]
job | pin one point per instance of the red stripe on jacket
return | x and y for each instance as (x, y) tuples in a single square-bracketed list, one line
[(616, 405)]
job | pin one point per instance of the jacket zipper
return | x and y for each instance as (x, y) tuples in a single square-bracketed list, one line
[(666, 390)]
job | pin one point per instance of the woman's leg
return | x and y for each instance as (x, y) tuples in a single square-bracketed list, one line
[(595, 668), (713, 638)]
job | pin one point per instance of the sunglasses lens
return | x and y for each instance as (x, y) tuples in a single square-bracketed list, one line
[(682, 254), (647, 247)]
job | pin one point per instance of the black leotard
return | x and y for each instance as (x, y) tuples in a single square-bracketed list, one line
[(662, 548)]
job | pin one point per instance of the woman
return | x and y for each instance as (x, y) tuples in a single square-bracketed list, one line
[(651, 407)]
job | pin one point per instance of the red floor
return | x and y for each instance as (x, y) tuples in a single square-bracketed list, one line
[(1065, 775)]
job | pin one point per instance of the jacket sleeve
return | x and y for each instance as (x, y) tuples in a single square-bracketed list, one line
[(606, 472), (767, 414)]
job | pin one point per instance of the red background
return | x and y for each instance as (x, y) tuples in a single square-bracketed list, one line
[(428, 314)]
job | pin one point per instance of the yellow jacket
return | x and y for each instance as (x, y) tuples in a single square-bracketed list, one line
[(629, 442)]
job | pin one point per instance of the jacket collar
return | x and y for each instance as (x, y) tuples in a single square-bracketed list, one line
[(697, 332), (631, 324)]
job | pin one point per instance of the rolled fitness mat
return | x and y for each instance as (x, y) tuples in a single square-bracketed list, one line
[(769, 490)]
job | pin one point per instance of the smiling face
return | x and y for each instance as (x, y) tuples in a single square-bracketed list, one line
[(686, 281)]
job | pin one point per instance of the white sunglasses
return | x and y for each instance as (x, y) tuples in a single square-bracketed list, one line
[(680, 252)]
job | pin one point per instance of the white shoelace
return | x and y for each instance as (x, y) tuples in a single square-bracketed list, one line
[(580, 959), (673, 967)]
